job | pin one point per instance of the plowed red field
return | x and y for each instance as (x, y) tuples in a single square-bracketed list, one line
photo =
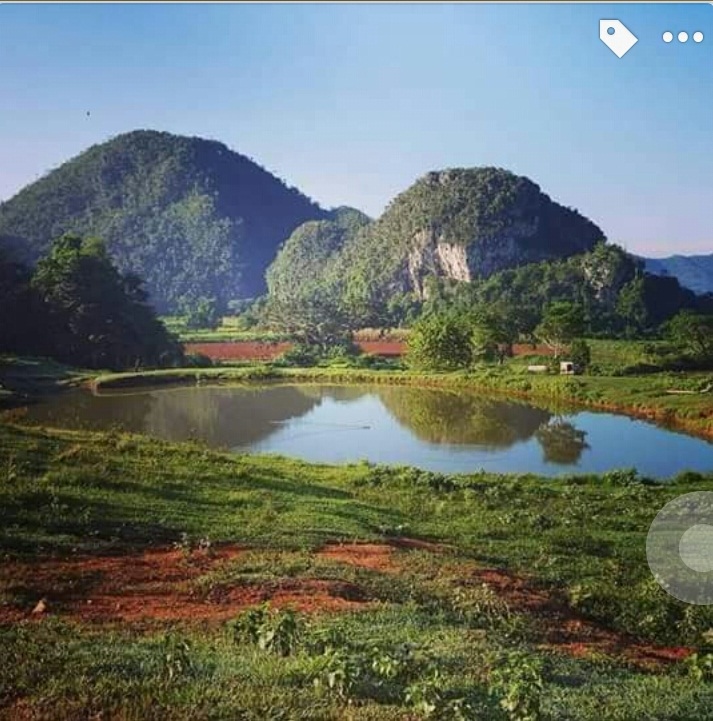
[(260, 351), (255, 350)]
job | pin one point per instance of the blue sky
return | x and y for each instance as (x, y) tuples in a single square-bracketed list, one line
[(351, 103)]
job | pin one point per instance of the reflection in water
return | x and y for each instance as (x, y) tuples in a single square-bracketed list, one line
[(561, 442), (442, 416), (83, 411), (434, 429), (223, 417)]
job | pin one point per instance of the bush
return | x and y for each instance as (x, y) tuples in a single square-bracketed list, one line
[(580, 354), (201, 313), (197, 360), (303, 356), (517, 680), (440, 341), (276, 632)]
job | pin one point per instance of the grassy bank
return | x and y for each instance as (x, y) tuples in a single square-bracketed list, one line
[(24, 378), (645, 396), (510, 577)]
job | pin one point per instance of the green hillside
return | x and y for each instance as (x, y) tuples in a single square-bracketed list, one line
[(458, 224), (188, 215), (306, 260)]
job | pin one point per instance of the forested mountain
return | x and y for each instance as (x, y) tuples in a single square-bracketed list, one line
[(465, 224), (460, 224), (616, 294), (692, 271), (188, 215), (306, 261)]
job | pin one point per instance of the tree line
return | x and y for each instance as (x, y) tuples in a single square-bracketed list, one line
[(77, 308)]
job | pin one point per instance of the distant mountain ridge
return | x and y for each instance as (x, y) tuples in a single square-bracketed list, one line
[(693, 271), (190, 216)]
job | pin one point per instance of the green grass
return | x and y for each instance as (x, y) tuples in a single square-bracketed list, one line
[(581, 537), (232, 328), (609, 354), (229, 329), (24, 377)]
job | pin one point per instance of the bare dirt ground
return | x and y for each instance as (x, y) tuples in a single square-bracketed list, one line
[(161, 585), (561, 627), (262, 351), (156, 585)]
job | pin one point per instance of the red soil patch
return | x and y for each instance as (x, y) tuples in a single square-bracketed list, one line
[(162, 585), (238, 350), (256, 350), (157, 585), (566, 631), (560, 626), (388, 348), (264, 351), (528, 349), (377, 556)]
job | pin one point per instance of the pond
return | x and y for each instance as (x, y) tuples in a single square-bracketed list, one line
[(434, 429)]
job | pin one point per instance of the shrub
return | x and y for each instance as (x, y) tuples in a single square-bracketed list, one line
[(197, 360), (580, 354), (274, 632), (300, 355), (440, 341), (517, 680)]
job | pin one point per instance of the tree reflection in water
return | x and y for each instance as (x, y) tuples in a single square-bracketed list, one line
[(462, 418), (561, 441)]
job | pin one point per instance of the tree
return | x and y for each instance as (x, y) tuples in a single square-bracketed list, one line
[(316, 321), (561, 323), (21, 326), (440, 341), (200, 312), (631, 307), (494, 330), (96, 317), (693, 333), (579, 353)]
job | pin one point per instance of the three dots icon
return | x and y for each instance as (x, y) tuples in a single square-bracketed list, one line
[(683, 37)]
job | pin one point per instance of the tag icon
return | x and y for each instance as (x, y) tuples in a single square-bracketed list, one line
[(617, 37)]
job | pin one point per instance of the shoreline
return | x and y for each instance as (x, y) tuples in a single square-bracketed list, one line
[(683, 412)]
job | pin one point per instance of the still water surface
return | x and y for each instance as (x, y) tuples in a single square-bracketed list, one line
[(439, 430)]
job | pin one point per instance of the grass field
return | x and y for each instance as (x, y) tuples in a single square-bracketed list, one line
[(391, 593)]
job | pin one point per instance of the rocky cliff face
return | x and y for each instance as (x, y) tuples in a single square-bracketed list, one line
[(433, 255), (464, 224)]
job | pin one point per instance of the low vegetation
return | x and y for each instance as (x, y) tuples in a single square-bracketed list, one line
[(524, 598)]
